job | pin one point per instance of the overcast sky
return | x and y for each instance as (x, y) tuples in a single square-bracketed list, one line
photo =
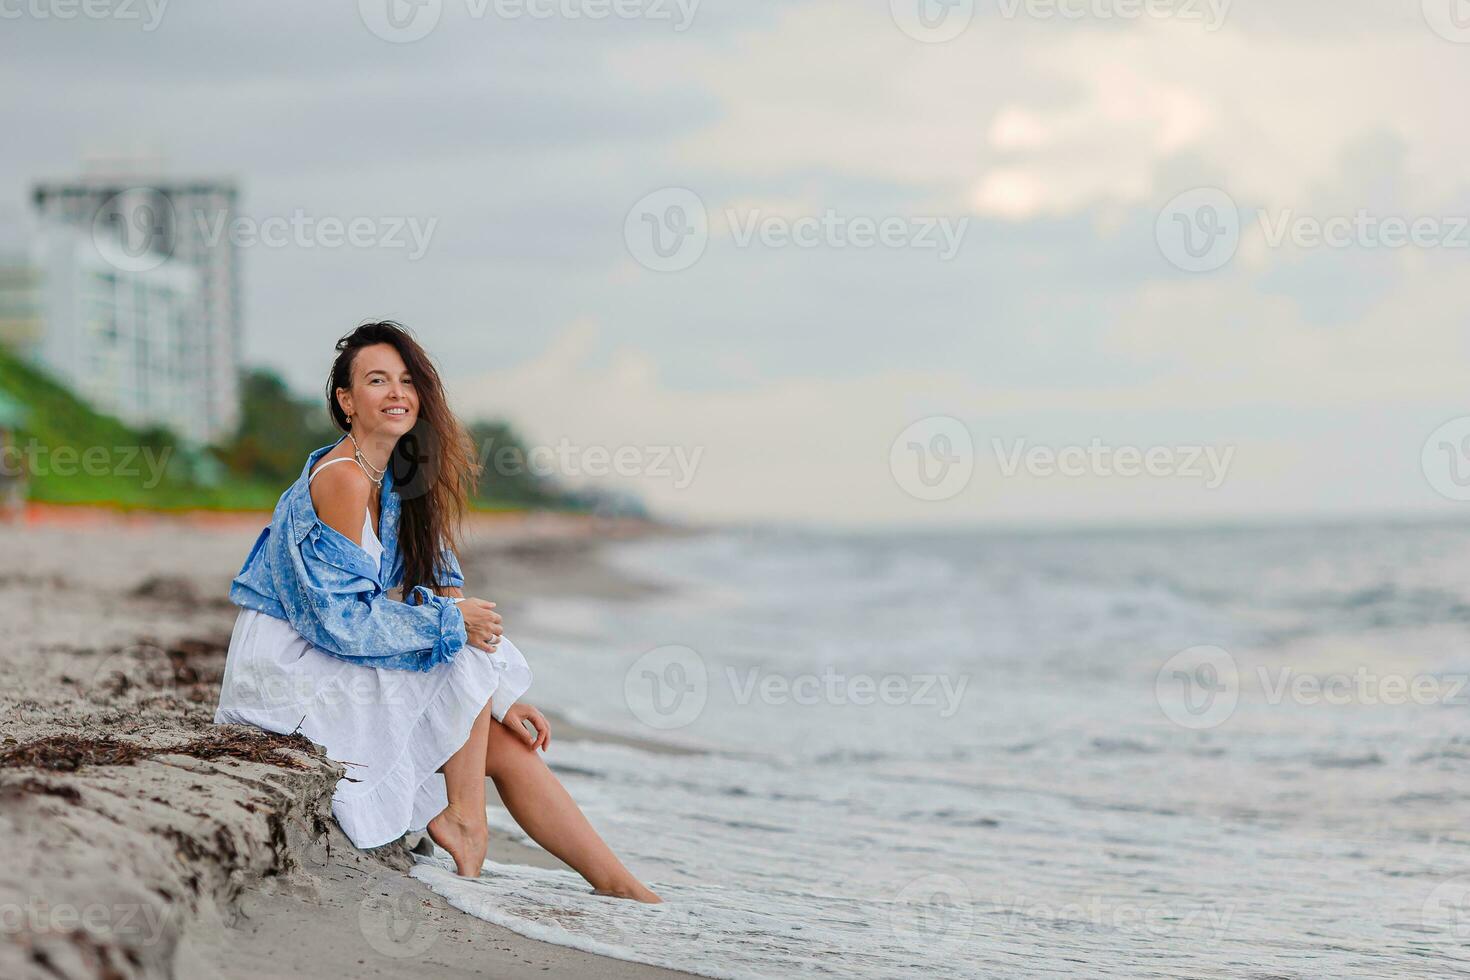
[(922, 249)]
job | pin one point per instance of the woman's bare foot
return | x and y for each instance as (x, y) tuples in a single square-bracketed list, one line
[(465, 838), (633, 889)]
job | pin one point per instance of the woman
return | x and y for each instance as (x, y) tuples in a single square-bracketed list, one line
[(419, 697)]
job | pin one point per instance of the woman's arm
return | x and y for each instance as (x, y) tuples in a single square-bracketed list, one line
[(340, 495), (484, 631), (335, 601), (482, 623), (450, 573), (333, 595), (341, 500)]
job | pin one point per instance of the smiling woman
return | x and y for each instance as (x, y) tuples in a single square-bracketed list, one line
[(387, 381), (403, 692)]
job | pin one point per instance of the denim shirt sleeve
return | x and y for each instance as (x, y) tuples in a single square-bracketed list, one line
[(452, 574), (345, 611), (322, 582)]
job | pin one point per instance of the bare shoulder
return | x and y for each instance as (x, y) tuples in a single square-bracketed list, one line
[(340, 494)]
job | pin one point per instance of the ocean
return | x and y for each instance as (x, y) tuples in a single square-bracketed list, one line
[(1144, 753)]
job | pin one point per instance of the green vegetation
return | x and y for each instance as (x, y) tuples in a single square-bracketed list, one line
[(505, 479), (278, 430), (73, 454)]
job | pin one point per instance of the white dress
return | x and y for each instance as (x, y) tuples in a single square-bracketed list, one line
[(392, 728)]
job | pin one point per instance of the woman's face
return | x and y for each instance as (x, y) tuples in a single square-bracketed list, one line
[(382, 400)]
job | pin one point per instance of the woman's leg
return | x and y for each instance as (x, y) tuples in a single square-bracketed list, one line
[(541, 805), (460, 828)]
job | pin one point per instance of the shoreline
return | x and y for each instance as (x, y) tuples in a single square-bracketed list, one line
[(150, 842), (521, 523)]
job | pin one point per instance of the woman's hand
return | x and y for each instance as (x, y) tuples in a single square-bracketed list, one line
[(521, 712), (481, 623)]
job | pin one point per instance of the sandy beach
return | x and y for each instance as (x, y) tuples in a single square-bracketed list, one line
[(141, 840)]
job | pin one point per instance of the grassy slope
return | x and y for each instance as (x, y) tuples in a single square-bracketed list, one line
[(118, 473), (58, 418)]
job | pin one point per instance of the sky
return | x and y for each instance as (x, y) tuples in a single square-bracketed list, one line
[(863, 262)]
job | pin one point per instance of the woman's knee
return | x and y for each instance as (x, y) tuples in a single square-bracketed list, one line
[(504, 750)]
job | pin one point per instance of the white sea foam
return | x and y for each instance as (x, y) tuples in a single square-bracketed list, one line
[(1059, 822)]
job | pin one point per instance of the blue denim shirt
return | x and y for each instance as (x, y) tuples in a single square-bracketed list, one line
[(308, 573)]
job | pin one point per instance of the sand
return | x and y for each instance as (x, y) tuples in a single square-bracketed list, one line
[(141, 840)]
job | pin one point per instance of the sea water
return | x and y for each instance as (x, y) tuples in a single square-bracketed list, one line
[(1165, 753)]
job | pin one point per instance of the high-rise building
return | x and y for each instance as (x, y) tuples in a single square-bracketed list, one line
[(22, 316), (118, 336), (163, 238)]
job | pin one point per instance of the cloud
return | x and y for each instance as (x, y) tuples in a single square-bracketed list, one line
[(1222, 374), (794, 369), (1018, 119)]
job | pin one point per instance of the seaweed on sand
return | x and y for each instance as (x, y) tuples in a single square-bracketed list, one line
[(68, 753)]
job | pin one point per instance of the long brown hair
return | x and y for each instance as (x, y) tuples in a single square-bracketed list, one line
[(433, 468)]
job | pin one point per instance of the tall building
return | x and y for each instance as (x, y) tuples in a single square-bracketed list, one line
[(118, 336), (153, 242), (22, 317)]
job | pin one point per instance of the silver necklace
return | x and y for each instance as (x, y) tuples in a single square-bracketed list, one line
[(367, 467)]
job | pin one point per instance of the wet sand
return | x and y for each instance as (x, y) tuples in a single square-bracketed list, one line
[(141, 840)]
